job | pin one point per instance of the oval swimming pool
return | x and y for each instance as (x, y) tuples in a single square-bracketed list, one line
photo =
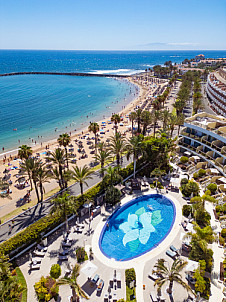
[(137, 227)]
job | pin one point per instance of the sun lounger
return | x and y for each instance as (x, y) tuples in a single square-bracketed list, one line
[(78, 230), (153, 296), (171, 254), (39, 254), (114, 297), (42, 248), (80, 225), (35, 266), (36, 260), (62, 258), (172, 247), (63, 253), (100, 285), (95, 279), (105, 297), (66, 244)]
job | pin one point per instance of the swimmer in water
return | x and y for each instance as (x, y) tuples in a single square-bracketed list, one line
[(150, 207)]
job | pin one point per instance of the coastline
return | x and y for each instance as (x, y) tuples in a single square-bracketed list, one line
[(52, 142)]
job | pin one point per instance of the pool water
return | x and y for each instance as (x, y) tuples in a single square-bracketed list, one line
[(137, 227)]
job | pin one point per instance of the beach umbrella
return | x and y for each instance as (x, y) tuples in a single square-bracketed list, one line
[(89, 269)]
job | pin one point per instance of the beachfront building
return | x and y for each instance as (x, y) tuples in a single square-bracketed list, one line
[(200, 57), (204, 138), (216, 91)]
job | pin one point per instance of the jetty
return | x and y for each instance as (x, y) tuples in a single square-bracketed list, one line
[(78, 74)]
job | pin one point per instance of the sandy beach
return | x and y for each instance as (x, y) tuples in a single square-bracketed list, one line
[(147, 90)]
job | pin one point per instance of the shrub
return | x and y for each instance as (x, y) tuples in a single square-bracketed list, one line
[(208, 192), (46, 289), (130, 276), (195, 175), (55, 271), (223, 233), (183, 181), (221, 240), (202, 217), (184, 159), (81, 254), (202, 172), (212, 187), (187, 210), (196, 199), (189, 188), (113, 195)]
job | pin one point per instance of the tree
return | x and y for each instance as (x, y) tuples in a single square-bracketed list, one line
[(10, 287), (43, 175), (26, 170), (145, 120), (4, 188), (24, 152), (112, 176), (72, 282), (81, 175), (64, 140), (63, 205), (138, 119), (116, 120), (155, 116), (158, 174), (172, 123), (179, 106), (180, 121), (165, 119), (170, 274), (94, 127), (132, 118), (102, 156), (134, 147), (117, 146), (58, 158)]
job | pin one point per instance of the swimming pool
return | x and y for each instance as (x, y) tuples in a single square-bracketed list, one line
[(137, 227)]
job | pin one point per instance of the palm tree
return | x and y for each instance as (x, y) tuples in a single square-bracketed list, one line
[(64, 140), (4, 186), (145, 120), (155, 117), (72, 282), (134, 148), (94, 127), (58, 158), (132, 118), (138, 119), (170, 274), (180, 121), (179, 105), (158, 174), (63, 205), (117, 146), (165, 119), (102, 156), (81, 175), (172, 123), (26, 167), (116, 120), (43, 175), (24, 152)]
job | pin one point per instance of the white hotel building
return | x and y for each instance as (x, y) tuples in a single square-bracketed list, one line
[(216, 91)]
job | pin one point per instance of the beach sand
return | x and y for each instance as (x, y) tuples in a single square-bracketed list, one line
[(146, 90)]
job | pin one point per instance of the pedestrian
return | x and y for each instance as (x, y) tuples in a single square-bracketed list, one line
[(10, 228), (13, 222)]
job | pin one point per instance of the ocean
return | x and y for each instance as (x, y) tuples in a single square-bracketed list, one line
[(40, 107)]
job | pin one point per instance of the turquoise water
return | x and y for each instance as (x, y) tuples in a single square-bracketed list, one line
[(41, 107), (137, 227)]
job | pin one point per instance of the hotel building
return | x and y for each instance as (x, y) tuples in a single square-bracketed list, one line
[(216, 91), (204, 137)]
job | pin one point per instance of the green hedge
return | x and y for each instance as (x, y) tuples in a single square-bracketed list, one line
[(34, 232), (29, 235)]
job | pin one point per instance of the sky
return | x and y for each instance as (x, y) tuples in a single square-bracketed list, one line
[(113, 24)]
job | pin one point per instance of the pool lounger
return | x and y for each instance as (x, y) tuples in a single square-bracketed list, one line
[(172, 247), (171, 253), (153, 296)]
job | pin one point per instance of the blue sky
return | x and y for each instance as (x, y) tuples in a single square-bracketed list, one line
[(113, 24)]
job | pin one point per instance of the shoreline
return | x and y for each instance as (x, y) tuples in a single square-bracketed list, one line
[(84, 129)]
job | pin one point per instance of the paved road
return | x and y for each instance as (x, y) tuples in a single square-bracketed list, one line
[(40, 210), (205, 100)]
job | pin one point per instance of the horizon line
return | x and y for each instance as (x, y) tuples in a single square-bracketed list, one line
[(113, 49)]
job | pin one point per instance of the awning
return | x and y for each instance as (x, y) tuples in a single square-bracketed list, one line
[(222, 179), (89, 269), (214, 171), (191, 266), (187, 153)]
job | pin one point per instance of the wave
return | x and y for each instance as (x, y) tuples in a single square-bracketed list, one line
[(116, 71)]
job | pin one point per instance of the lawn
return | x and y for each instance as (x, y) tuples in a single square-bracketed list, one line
[(23, 282), (130, 292)]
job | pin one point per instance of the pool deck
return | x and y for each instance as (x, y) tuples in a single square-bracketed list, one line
[(139, 263), (106, 266)]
